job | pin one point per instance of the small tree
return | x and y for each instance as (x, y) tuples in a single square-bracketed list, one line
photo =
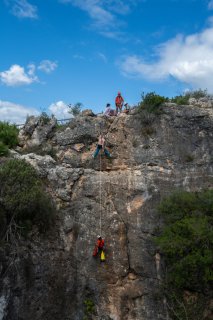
[(75, 109)]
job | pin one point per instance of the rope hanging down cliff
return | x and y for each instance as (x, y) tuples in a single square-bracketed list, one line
[(100, 199)]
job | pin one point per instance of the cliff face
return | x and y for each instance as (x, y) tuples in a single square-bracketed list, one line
[(55, 276)]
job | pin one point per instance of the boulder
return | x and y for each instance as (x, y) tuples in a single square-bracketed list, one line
[(87, 113)]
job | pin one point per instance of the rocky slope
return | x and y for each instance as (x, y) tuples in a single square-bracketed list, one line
[(55, 276)]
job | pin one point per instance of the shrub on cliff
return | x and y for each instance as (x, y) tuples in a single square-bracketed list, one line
[(183, 99), (23, 201), (152, 102), (8, 137), (199, 93), (187, 239)]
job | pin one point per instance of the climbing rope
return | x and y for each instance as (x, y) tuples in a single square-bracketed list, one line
[(100, 155), (100, 198)]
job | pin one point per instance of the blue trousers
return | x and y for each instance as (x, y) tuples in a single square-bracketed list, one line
[(99, 147)]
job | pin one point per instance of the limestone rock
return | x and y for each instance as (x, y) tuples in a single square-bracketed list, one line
[(35, 131)]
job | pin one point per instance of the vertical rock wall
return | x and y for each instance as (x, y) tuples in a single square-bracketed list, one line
[(54, 276)]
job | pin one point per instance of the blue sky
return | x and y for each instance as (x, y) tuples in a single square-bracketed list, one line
[(56, 52)]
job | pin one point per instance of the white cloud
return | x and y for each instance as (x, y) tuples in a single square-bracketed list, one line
[(101, 16), (15, 113), (188, 59), (102, 57), (103, 13), (210, 5), (113, 34), (16, 76), (60, 110), (47, 66), (22, 9), (32, 69)]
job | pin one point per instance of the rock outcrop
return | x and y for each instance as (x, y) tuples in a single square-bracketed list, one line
[(54, 276)]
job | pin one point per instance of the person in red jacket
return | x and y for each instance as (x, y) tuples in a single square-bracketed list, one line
[(119, 101), (100, 243), (99, 247)]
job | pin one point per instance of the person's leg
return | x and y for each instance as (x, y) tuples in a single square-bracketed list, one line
[(107, 153), (96, 152), (116, 109)]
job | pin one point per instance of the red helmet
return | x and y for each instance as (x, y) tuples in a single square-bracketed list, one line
[(119, 93)]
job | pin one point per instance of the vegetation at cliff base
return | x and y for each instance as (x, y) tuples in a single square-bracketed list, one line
[(8, 137), (186, 243), (187, 238), (23, 200)]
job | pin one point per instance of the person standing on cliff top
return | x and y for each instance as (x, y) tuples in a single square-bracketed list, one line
[(119, 101), (101, 146)]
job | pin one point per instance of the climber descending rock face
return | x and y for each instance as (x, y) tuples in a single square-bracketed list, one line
[(99, 249), (101, 146)]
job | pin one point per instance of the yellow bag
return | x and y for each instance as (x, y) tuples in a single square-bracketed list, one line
[(102, 256)]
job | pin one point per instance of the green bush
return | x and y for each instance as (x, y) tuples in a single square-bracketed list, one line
[(3, 149), (187, 239), (181, 99), (8, 134), (23, 198), (152, 102)]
